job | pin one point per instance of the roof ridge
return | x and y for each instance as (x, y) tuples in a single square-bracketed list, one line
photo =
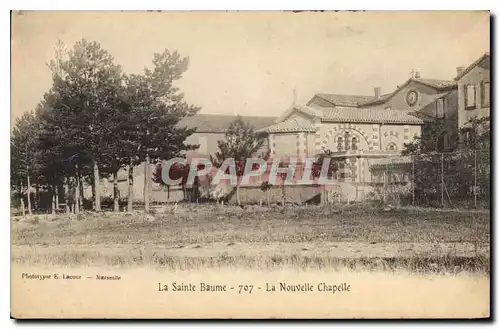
[(472, 65), (376, 115), (289, 125), (353, 95), (231, 115)]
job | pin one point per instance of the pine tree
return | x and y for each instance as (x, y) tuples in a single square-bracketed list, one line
[(241, 142), (157, 107)]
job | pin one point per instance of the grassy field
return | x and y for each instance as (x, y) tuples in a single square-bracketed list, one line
[(257, 237)]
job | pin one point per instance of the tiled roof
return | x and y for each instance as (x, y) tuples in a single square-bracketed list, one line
[(380, 100), (344, 100), (473, 65), (220, 123), (358, 100), (370, 115), (289, 126), (436, 83)]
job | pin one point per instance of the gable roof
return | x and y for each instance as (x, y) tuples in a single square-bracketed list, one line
[(438, 84), (217, 123), (290, 125), (473, 65), (381, 100), (342, 100), (308, 111), (361, 100), (370, 115)]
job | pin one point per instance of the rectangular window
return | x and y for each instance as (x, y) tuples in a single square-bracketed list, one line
[(440, 108), (485, 92), (470, 96)]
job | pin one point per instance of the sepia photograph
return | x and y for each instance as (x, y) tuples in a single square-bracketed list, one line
[(250, 165)]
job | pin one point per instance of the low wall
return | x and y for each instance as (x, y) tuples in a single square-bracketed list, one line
[(343, 192)]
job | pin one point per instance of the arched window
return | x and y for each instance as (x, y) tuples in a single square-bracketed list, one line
[(347, 146), (339, 144), (354, 145), (392, 147)]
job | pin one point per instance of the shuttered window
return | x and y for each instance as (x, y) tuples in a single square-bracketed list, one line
[(485, 92), (440, 108), (470, 96)]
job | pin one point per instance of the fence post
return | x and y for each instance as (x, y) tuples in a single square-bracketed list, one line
[(442, 179), (385, 184), (475, 179), (413, 180)]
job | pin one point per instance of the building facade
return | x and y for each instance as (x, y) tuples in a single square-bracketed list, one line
[(363, 129), (364, 133), (211, 128), (474, 90)]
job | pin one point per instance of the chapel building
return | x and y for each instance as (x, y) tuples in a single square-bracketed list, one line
[(364, 132)]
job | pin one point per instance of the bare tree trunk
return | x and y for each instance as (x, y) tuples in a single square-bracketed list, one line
[(53, 196), (77, 191), (168, 192), (28, 191), (93, 195), (57, 196), (97, 187), (238, 194), (268, 198), (130, 186), (66, 195), (147, 178), (23, 209), (80, 183), (283, 196), (37, 197), (116, 206)]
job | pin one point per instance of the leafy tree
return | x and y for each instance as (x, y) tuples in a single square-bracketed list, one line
[(87, 87), (460, 171), (157, 107), (177, 171), (241, 142), (23, 154), (95, 120), (266, 187), (332, 169)]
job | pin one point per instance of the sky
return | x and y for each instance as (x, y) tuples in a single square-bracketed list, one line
[(250, 63)]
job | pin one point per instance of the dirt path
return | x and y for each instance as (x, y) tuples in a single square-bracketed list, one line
[(317, 249)]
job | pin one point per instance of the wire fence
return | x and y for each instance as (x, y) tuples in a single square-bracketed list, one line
[(448, 180)]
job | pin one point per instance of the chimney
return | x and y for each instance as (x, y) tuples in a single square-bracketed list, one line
[(377, 92), (415, 74), (460, 69)]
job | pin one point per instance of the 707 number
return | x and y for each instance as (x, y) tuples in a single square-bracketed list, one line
[(245, 288)]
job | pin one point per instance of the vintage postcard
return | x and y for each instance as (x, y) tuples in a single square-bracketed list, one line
[(255, 165)]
